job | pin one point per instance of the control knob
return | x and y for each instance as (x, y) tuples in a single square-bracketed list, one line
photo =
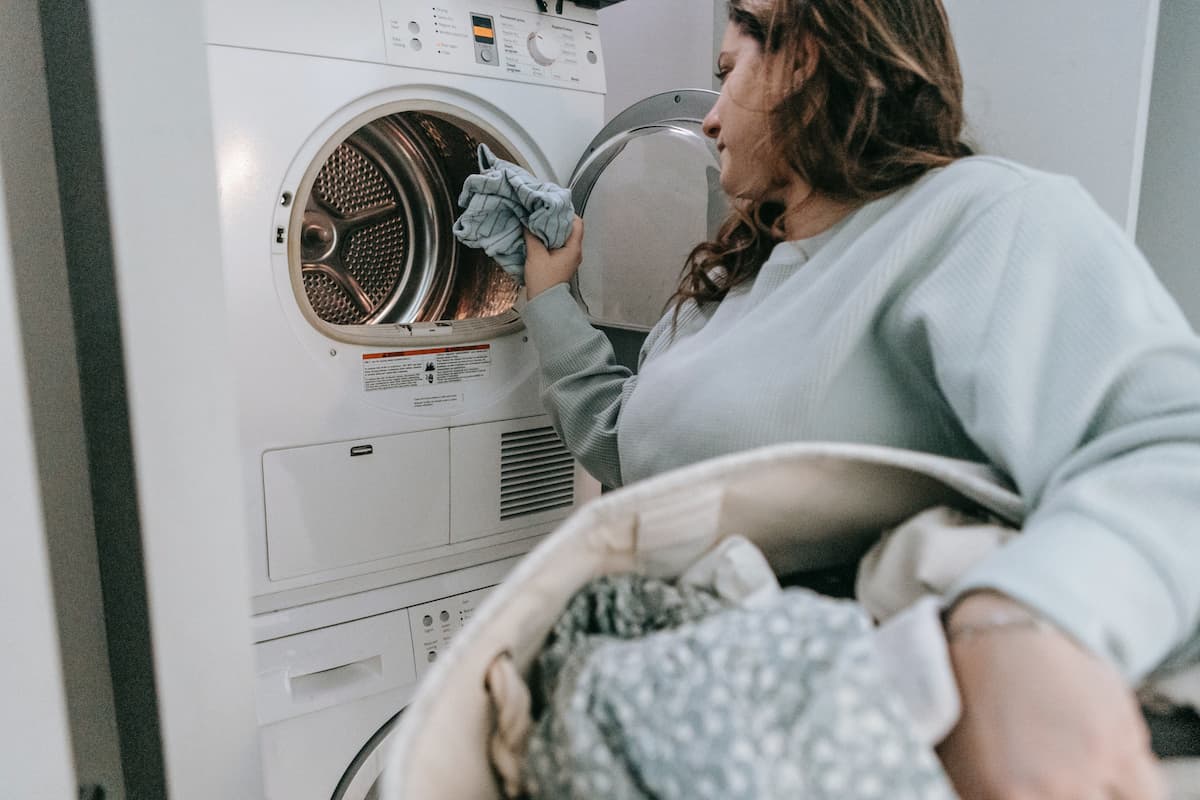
[(544, 50)]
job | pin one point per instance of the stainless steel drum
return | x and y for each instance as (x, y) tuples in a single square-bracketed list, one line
[(375, 240)]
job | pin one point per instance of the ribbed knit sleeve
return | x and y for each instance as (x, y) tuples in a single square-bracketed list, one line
[(583, 387), (1072, 369)]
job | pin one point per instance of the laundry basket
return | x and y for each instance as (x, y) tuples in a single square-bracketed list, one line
[(806, 506)]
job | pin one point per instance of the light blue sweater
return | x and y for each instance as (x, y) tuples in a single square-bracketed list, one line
[(988, 312)]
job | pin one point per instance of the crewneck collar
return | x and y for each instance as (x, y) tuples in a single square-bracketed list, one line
[(805, 249)]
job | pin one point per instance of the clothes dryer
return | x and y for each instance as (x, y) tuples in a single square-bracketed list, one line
[(391, 424)]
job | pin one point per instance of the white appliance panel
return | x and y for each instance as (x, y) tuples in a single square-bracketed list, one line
[(315, 670), (354, 32), (299, 26), (325, 690), (520, 475), (346, 503), (517, 44), (305, 757), (435, 624)]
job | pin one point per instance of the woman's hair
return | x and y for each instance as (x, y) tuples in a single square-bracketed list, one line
[(881, 105)]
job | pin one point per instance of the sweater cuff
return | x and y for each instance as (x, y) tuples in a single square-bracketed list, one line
[(556, 323), (1085, 579)]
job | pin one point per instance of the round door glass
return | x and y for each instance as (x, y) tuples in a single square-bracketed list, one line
[(653, 202), (374, 228)]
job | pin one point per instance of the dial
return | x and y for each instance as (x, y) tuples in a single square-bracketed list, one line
[(544, 50)]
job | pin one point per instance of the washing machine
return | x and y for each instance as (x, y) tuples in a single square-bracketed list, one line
[(396, 458)]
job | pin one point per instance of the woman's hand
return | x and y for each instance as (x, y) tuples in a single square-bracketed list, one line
[(1042, 718), (545, 268)]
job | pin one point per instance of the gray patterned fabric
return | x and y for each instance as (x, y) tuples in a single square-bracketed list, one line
[(501, 200), (646, 689)]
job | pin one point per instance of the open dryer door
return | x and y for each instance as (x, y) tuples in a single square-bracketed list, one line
[(648, 187)]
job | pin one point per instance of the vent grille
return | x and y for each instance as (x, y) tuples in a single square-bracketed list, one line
[(536, 473)]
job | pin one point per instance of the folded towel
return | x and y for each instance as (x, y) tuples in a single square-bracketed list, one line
[(500, 201)]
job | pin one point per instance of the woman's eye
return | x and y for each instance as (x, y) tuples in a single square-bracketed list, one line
[(721, 74)]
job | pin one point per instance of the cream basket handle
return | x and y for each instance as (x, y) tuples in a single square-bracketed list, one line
[(511, 702)]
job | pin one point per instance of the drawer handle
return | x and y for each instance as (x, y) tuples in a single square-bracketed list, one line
[(336, 680)]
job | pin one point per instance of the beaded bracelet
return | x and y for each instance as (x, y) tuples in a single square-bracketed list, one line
[(998, 622)]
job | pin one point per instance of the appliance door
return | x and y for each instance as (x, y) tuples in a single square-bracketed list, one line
[(372, 223), (361, 780), (649, 189)]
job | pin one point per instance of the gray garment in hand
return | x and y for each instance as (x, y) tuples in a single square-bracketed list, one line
[(502, 200), (646, 689)]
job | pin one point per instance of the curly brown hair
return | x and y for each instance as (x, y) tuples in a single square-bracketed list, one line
[(880, 106)]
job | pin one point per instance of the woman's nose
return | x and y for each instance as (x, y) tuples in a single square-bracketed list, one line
[(711, 125)]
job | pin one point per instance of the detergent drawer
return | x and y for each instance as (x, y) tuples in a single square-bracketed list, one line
[(318, 669), (337, 505)]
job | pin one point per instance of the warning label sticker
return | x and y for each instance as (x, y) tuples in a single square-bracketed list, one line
[(437, 366)]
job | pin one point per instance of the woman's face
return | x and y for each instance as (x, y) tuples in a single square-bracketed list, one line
[(738, 121)]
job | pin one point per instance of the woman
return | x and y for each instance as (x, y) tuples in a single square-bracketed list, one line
[(880, 284)]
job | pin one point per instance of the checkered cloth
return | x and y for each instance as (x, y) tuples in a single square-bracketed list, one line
[(502, 200)]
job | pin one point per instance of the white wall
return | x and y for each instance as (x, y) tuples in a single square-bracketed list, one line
[(1063, 86), (160, 190), (653, 46), (45, 337), (35, 748), (1169, 223), (1059, 85)]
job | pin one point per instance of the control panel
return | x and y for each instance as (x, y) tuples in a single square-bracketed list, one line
[(478, 38), (434, 624)]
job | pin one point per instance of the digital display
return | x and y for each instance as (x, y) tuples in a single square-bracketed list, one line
[(483, 28)]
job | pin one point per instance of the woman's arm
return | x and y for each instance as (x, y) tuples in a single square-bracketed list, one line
[(1042, 718), (1070, 367), (1078, 376), (544, 269), (582, 385)]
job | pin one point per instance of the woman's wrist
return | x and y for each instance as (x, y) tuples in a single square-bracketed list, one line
[(988, 613), (535, 287)]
